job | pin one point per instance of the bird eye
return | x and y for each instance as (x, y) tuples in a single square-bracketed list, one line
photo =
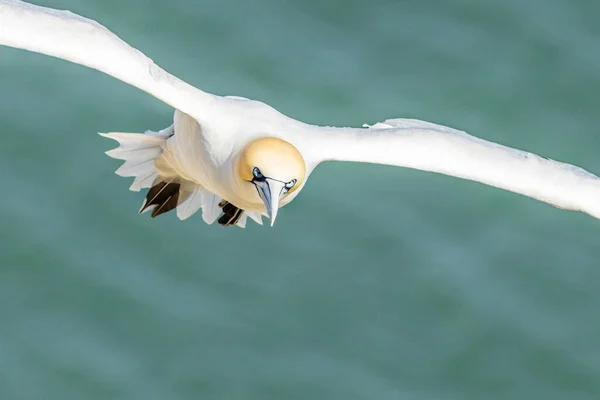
[(257, 174), (290, 184)]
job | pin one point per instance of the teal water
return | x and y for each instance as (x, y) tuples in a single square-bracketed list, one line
[(376, 283)]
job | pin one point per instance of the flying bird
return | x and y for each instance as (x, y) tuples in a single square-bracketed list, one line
[(234, 158)]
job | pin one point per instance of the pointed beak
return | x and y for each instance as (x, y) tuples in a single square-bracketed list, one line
[(270, 192)]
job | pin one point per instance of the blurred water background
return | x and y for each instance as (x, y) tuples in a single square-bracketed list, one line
[(376, 283)]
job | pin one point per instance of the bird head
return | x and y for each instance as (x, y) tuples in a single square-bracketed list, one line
[(268, 170)]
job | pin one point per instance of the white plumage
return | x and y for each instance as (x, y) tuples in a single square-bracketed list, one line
[(209, 158)]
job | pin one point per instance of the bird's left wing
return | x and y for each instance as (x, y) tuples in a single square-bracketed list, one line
[(71, 37), (435, 148)]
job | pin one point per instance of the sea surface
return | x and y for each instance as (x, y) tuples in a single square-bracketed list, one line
[(376, 283)]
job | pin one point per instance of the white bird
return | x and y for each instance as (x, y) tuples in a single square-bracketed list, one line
[(241, 158)]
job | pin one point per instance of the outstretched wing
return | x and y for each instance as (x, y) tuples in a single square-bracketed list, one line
[(435, 148), (71, 37)]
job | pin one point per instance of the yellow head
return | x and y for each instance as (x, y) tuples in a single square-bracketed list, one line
[(274, 168)]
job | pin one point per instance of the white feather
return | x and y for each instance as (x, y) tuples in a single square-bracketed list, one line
[(71, 37), (435, 148), (201, 151), (143, 181), (242, 221), (210, 207), (136, 168), (256, 217), (139, 152), (192, 195)]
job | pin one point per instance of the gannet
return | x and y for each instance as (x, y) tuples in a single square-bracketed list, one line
[(235, 158)]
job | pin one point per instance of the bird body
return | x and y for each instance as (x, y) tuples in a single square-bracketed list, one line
[(243, 158)]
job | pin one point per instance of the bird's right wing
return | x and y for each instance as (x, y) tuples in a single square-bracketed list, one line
[(430, 147), (71, 37)]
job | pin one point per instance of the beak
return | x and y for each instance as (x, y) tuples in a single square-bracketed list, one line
[(270, 192)]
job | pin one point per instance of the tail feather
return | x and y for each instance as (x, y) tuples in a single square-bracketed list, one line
[(136, 154), (163, 197), (136, 168), (143, 181), (190, 201), (210, 206), (140, 153)]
